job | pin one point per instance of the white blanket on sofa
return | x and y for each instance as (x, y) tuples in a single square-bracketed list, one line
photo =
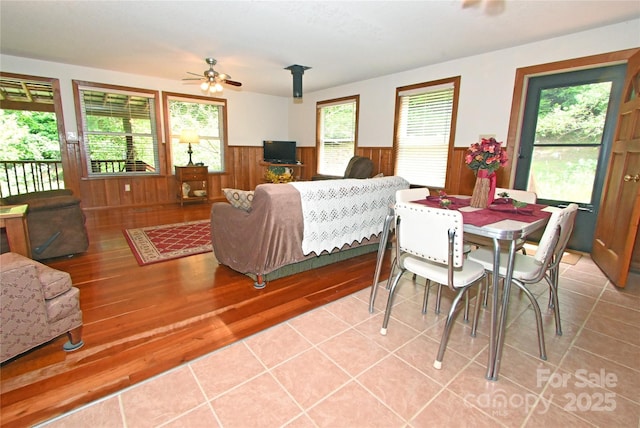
[(339, 212)]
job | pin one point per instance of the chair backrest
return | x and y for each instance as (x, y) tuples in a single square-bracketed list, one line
[(408, 195), (518, 195), (359, 167), (549, 247), (426, 232)]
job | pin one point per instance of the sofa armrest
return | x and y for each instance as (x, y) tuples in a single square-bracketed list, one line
[(23, 305), (54, 282), (13, 262), (28, 317), (47, 281), (28, 198), (263, 239), (325, 177), (52, 203)]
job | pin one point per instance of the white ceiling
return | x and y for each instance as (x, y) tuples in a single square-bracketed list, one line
[(342, 41)]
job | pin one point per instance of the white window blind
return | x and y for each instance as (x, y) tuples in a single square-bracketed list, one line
[(337, 123), (119, 130), (423, 134)]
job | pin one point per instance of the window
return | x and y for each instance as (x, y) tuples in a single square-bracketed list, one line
[(337, 134), (204, 115), (424, 134), (30, 126), (119, 132)]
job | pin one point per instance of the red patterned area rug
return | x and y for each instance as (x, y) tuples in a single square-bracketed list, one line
[(156, 244)]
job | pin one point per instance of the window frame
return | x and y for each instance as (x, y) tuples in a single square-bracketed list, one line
[(175, 96), (421, 88), (319, 125), (78, 86)]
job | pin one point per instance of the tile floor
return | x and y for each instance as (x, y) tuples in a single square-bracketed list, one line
[(332, 368)]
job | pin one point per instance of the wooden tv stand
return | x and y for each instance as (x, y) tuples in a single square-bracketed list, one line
[(296, 167)]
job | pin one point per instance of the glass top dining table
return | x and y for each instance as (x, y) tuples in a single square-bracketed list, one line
[(499, 223)]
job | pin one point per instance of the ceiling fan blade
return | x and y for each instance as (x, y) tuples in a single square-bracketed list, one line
[(192, 78), (195, 74), (232, 83)]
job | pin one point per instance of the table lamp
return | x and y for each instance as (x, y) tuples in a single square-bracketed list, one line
[(189, 136)]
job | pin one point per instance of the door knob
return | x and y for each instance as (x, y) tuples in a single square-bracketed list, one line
[(634, 178)]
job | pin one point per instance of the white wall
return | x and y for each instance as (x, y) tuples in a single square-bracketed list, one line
[(252, 117), (485, 94), (486, 87)]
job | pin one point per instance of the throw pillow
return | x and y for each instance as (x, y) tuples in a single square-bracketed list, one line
[(239, 198)]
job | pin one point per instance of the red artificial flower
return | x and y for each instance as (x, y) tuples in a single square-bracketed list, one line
[(487, 154)]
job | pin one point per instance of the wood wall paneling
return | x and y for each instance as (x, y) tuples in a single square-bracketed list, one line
[(307, 155), (244, 171), (382, 158)]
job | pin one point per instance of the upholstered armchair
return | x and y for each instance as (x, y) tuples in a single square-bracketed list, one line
[(358, 167), (37, 304), (55, 221)]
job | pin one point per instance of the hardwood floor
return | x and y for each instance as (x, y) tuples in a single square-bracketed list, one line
[(141, 321)]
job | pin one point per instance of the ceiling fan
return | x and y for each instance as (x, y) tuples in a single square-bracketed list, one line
[(212, 80)]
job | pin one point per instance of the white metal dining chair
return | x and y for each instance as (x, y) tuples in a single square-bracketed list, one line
[(429, 243), (403, 195), (409, 195), (543, 265), (518, 195), (480, 241), (515, 194)]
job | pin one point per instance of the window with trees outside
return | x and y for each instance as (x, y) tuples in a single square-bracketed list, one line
[(336, 133), (119, 132), (424, 131), (204, 115)]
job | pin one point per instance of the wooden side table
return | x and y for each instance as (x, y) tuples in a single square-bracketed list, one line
[(14, 219), (197, 178)]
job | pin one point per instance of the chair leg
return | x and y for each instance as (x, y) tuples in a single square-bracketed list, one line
[(550, 277), (437, 364), (485, 299), (438, 298), (394, 264), (554, 302), (556, 281), (484, 286), (425, 299), (387, 312), (538, 314), (382, 247), (466, 307)]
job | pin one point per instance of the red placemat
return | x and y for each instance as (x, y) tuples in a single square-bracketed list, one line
[(494, 213)]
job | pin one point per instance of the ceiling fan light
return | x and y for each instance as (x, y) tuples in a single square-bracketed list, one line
[(218, 87), (204, 86)]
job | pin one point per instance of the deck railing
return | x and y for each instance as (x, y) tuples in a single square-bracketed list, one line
[(18, 177), (119, 166)]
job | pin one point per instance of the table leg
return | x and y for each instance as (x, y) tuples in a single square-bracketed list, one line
[(504, 309), (382, 246), (493, 336)]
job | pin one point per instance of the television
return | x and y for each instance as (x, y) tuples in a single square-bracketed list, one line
[(279, 151)]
